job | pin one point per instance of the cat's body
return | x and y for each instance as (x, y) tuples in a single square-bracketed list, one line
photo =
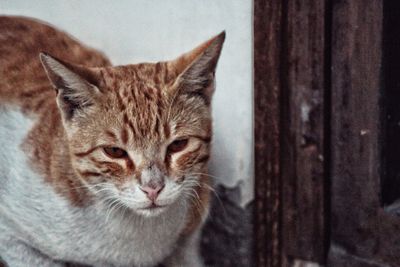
[(56, 159)]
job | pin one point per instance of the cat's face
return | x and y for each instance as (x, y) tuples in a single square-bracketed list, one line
[(139, 135)]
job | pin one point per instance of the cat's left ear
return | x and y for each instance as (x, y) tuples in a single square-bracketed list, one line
[(197, 68), (76, 85)]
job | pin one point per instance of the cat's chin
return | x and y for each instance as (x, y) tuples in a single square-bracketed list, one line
[(151, 211)]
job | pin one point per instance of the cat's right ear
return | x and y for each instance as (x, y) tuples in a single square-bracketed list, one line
[(197, 68), (75, 85)]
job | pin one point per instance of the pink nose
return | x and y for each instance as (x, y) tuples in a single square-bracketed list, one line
[(152, 191)]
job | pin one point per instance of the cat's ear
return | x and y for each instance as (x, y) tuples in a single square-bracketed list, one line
[(197, 68), (75, 85)]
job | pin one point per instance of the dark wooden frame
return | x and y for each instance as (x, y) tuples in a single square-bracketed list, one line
[(289, 59), (318, 135), (267, 25)]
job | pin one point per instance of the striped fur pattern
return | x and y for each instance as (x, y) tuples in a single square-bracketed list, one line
[(133, 139)]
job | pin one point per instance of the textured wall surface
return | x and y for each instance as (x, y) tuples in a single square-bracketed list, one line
[(134, 31)]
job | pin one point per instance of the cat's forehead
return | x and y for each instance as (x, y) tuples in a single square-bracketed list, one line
[(142, 110), (135, 76), (136, 103)]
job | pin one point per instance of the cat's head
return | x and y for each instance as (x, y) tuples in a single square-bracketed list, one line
[(139, 135)]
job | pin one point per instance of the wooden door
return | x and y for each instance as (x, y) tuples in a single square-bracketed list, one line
[(327, 112)]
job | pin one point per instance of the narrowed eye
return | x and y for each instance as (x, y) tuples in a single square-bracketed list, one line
[(177, 145), (115, 152)]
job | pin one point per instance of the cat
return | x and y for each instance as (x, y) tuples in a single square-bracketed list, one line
[(101, 165)]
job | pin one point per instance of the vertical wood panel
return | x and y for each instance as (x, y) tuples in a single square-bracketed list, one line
[(356, 59), (361, 231), (267, 35), (303, 130), (290, 49)]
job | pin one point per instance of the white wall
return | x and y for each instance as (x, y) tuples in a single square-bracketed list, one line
[(152, 30)]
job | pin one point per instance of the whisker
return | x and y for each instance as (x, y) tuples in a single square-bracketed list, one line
[(113, 203), (197, 204), (206, 174), (215, 193)]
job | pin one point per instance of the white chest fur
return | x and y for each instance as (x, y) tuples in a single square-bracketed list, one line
[(31, 211)]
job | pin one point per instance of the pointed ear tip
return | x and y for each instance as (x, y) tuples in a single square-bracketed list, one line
[(220, 38), (44, 56)]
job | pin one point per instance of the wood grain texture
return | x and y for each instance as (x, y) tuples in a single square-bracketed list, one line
[(267, 36), (360, 228), (303, 130)]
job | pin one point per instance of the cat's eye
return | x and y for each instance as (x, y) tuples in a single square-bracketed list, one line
[(177, 146), (115, 152)]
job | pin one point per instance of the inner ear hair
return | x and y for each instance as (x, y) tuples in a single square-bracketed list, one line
[(198, 76), (74, 90)]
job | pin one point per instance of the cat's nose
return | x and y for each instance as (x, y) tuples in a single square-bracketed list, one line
[(152, 190)]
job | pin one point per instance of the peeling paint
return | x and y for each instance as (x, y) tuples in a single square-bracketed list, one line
[(305, 109), (364, 132)]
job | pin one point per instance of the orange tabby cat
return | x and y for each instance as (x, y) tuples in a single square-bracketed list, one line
[(101, 165)]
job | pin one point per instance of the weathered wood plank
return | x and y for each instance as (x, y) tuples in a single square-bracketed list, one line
[(360, 228), (267, 36), (303, 130), (355, 118)]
